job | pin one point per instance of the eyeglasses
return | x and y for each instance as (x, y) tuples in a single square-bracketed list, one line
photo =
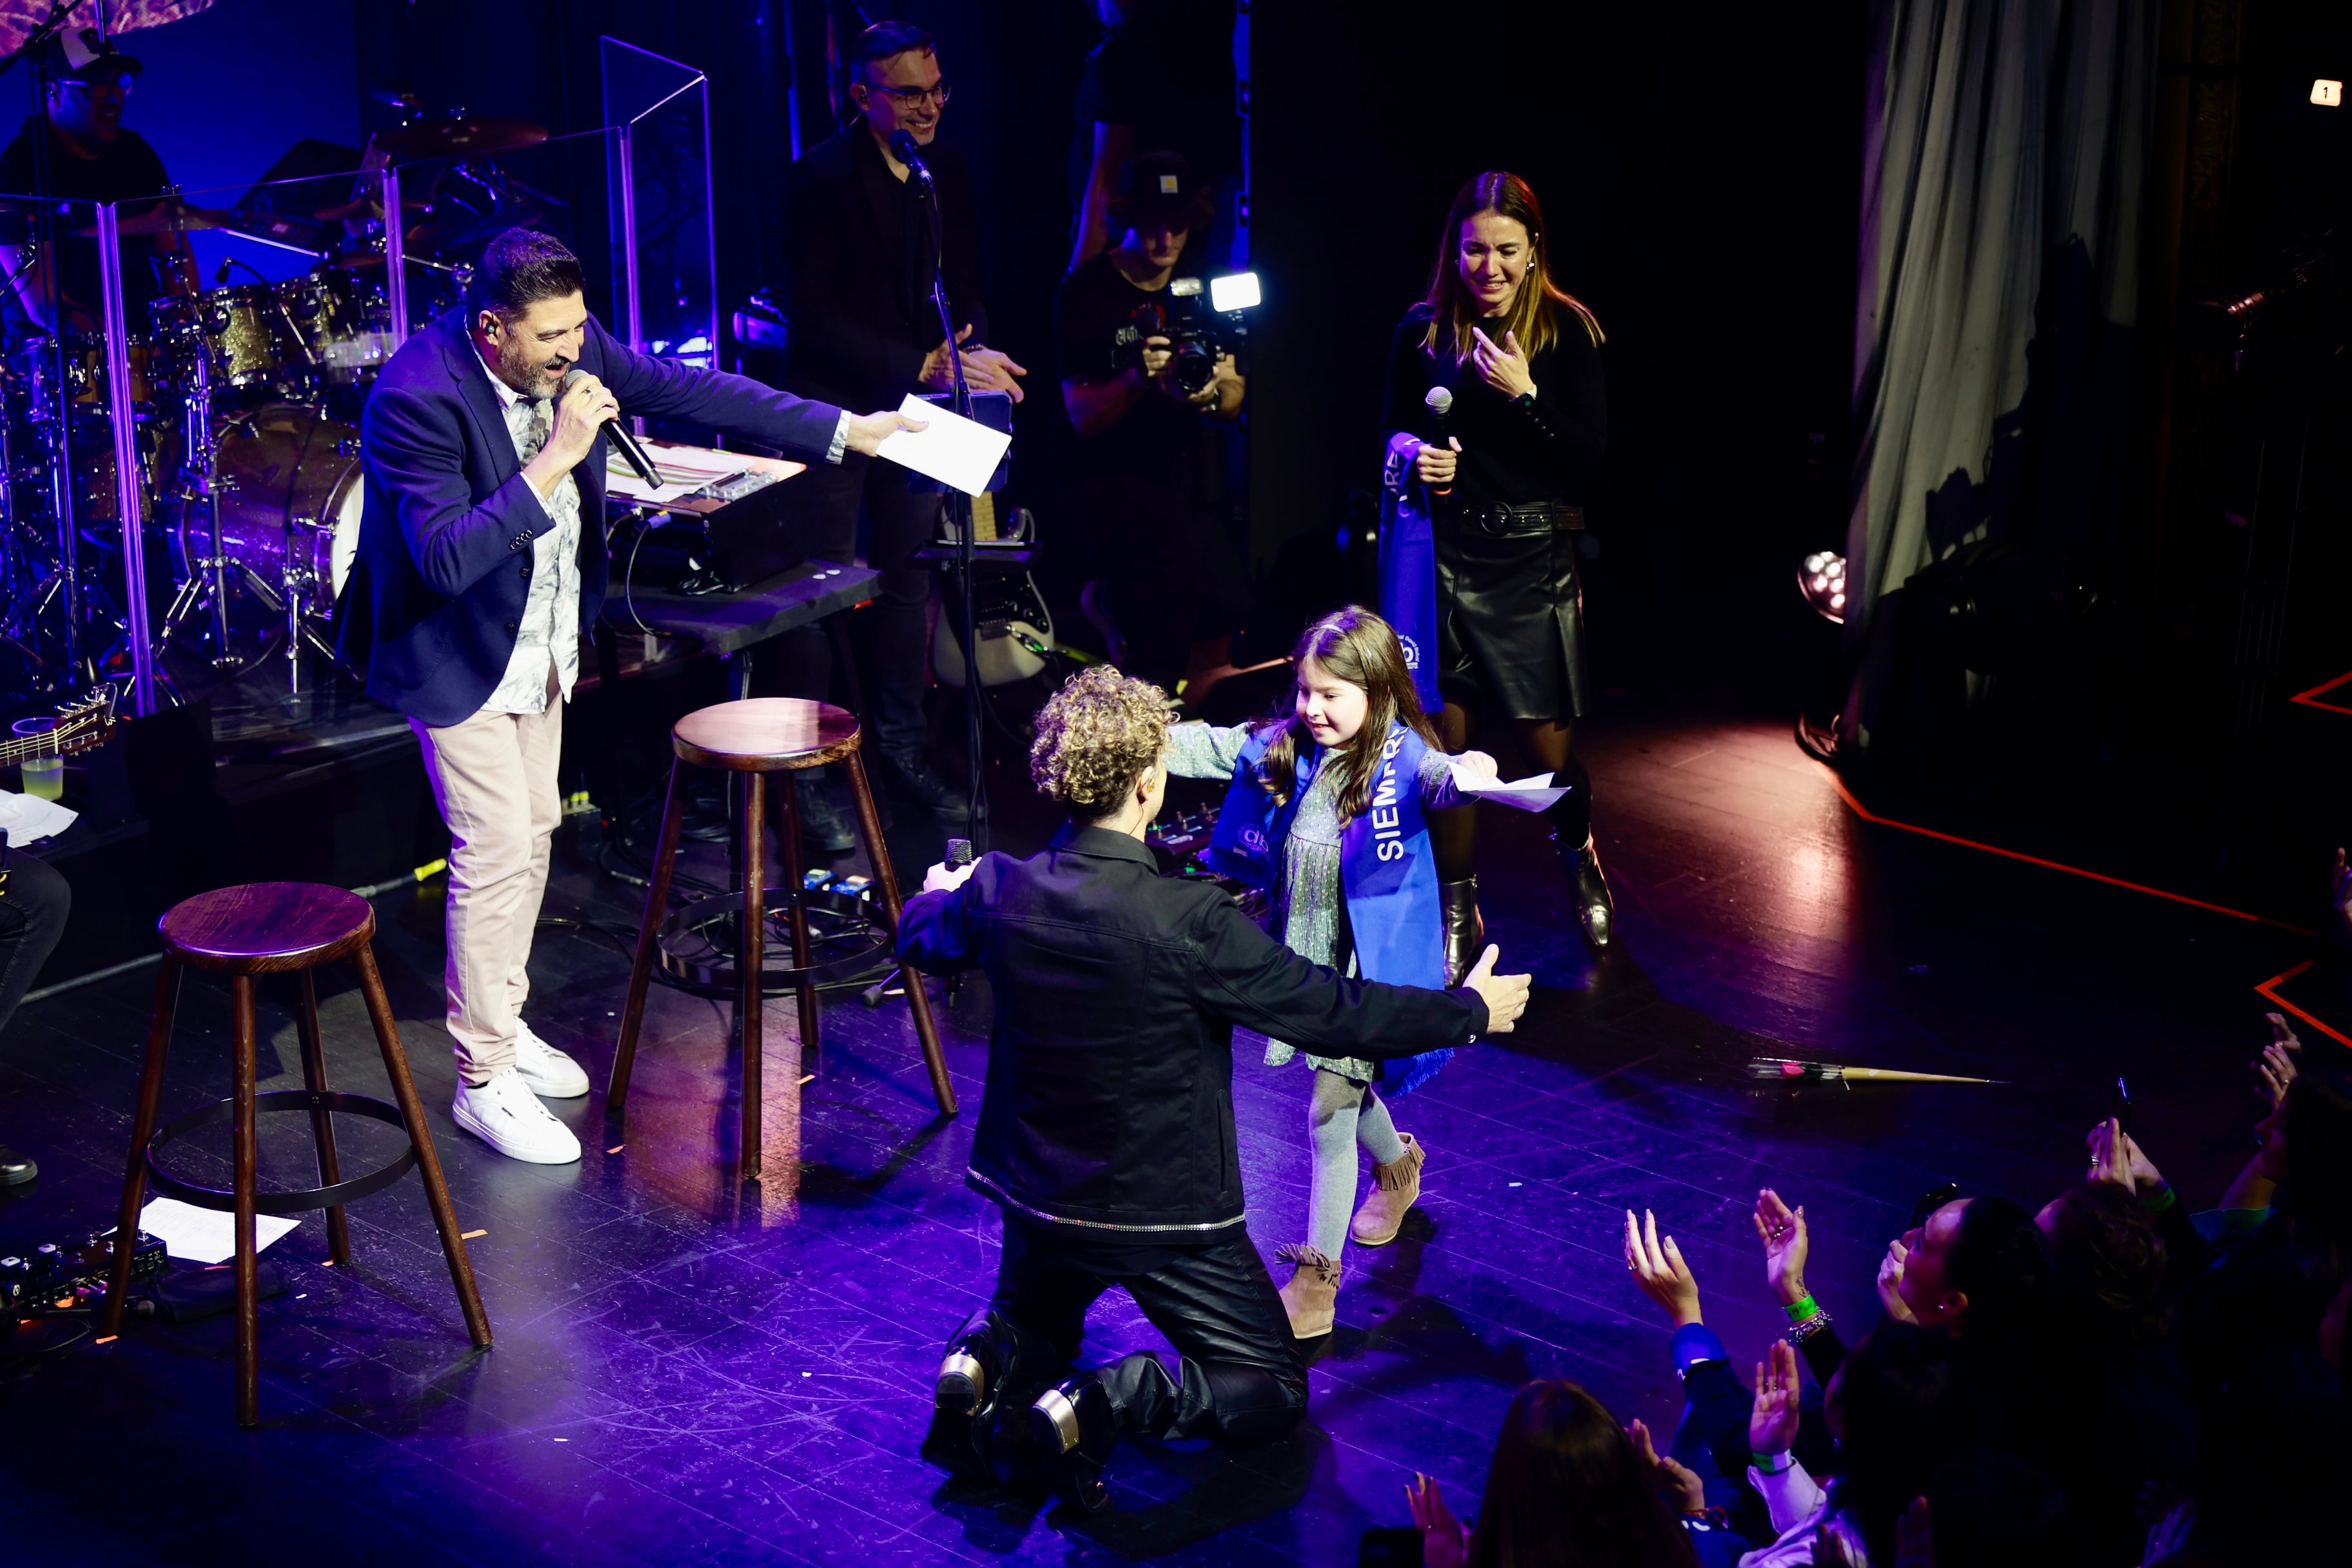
[(119, 85), (913, 96)]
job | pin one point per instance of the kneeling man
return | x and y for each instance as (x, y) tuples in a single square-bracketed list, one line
[(1105, 1129)]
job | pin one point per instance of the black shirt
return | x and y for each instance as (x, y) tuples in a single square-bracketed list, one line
[(126, 171), (1109, 1108), (1159, 438), (857, 283), (1170, 76), (1509, 454)]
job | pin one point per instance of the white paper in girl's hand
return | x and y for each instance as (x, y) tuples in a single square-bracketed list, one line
[(953, 450), (1536, 793)]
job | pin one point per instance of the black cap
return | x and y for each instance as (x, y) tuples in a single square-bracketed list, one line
[(1157, 185), (80, 54)]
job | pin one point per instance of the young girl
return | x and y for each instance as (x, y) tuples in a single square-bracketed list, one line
[(1325, 813)]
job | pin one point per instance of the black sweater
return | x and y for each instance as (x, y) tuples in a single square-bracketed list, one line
[(1551, 452), (1109, 1108)]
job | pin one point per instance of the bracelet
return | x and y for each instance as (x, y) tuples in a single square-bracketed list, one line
[(1799, 1333), (2161, 1202), (1801, 1307), (1772, 1464)]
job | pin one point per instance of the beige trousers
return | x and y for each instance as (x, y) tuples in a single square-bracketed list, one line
[(494, 778)]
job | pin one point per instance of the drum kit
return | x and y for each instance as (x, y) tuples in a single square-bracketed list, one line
[(247, 398)]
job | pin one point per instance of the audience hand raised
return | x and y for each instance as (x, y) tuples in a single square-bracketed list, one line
[(2116, 1161), (1772, 1424), (1660, 1271), (2276, 1064), (1443, 1542), (1676, 1482), (1787, 1246), (1506, 996)]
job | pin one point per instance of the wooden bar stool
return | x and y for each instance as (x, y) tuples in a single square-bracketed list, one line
[(270, 928), (755, 737)]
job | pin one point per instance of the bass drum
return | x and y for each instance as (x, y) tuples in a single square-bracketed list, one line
[(290, 497)]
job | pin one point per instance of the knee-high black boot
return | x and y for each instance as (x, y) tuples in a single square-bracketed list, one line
[(1572, 837)]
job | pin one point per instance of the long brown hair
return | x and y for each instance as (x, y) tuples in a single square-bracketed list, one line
[(1567, 1490), (1362, 649), (1536, 309)]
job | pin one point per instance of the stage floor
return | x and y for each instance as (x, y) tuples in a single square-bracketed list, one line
[(687, 1371)]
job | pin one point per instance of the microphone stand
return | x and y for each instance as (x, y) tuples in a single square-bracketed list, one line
[(959, 510)]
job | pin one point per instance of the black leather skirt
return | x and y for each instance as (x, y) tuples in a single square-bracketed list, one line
[(1510, 610)]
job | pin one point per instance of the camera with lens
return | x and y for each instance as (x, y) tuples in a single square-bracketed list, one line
[(1200, 322)]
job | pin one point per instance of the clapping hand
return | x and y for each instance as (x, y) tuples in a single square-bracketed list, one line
[(1772, 1424), (2117, 1161), (984, 369), (1676, 1482), (1443, 1542), (1660, 1270), (1503, 368), (1786, 1245), (1890, 1282), (2276, 1064)]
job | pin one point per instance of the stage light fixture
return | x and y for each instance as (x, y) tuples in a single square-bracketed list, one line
[(1236, 291), (1821, 580), (2328, 94)]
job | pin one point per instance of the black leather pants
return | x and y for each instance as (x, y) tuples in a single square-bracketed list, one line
[(1239, 1377)]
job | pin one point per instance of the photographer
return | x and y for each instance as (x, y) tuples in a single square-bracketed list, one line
[(1141, 390)]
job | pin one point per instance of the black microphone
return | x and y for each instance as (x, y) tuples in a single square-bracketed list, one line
[(624, 439), (903, 148), (1440, 403)]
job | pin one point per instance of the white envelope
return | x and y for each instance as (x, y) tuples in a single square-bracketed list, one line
[(955, 451)]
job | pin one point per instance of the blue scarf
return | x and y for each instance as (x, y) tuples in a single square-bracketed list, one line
[(1387, 874), (1408, 568)]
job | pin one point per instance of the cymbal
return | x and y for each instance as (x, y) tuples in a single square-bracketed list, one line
[(470, 134), (169, 216)]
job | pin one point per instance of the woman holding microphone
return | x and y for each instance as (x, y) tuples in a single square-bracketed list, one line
[(1518, 450)]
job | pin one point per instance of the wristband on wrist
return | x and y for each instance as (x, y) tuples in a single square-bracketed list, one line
[(1771, 1464), (1801, 1309), (2161, 1202), (1799, 1333)]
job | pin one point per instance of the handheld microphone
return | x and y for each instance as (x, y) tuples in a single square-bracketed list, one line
[(903, 148), (624, 439), (1440, 403)]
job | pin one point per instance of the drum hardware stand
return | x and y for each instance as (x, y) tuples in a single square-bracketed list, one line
[(206, 584)]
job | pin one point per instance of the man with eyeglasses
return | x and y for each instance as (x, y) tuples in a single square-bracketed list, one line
[(90, 157), (858, 248)]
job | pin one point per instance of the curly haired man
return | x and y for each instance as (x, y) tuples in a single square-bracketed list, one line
[(1106, 1133)]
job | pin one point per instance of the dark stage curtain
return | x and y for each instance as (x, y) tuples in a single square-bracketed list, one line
[(2006, 145)]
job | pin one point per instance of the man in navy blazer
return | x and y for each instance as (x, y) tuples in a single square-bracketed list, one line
[(481, 565)]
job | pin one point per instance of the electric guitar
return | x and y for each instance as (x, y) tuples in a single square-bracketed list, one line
[(1012, 629), (81, 726)]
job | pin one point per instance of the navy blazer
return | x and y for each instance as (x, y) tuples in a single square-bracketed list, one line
[(444, 566)]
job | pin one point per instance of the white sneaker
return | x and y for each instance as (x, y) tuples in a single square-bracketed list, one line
[(506, 1115), (546, 1070)]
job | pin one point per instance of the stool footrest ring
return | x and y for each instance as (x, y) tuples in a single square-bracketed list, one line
[(300, 1202)]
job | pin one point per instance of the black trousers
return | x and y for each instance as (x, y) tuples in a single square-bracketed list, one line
[(1240, 1378), (34, 903), (822, 508)]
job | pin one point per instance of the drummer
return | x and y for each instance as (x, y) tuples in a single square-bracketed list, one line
[(91, 157)]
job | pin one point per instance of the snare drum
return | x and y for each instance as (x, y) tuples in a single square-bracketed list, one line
[(243, 336), (289, 497)]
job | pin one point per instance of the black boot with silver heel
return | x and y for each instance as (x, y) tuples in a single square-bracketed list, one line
[(1073, 1427), (1466, 933), (979, 1363)]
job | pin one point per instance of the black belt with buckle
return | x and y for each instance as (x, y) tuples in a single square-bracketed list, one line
[(1522, 520)]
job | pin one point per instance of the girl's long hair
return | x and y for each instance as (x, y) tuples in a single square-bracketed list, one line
[(1362, 649), (1537, 311), (1567, 1490)]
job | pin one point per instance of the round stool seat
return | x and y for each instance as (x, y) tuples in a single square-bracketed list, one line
[(264, 928), (765, 735)]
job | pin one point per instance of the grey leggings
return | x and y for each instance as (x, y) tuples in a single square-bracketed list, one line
[(1343, 1114)]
